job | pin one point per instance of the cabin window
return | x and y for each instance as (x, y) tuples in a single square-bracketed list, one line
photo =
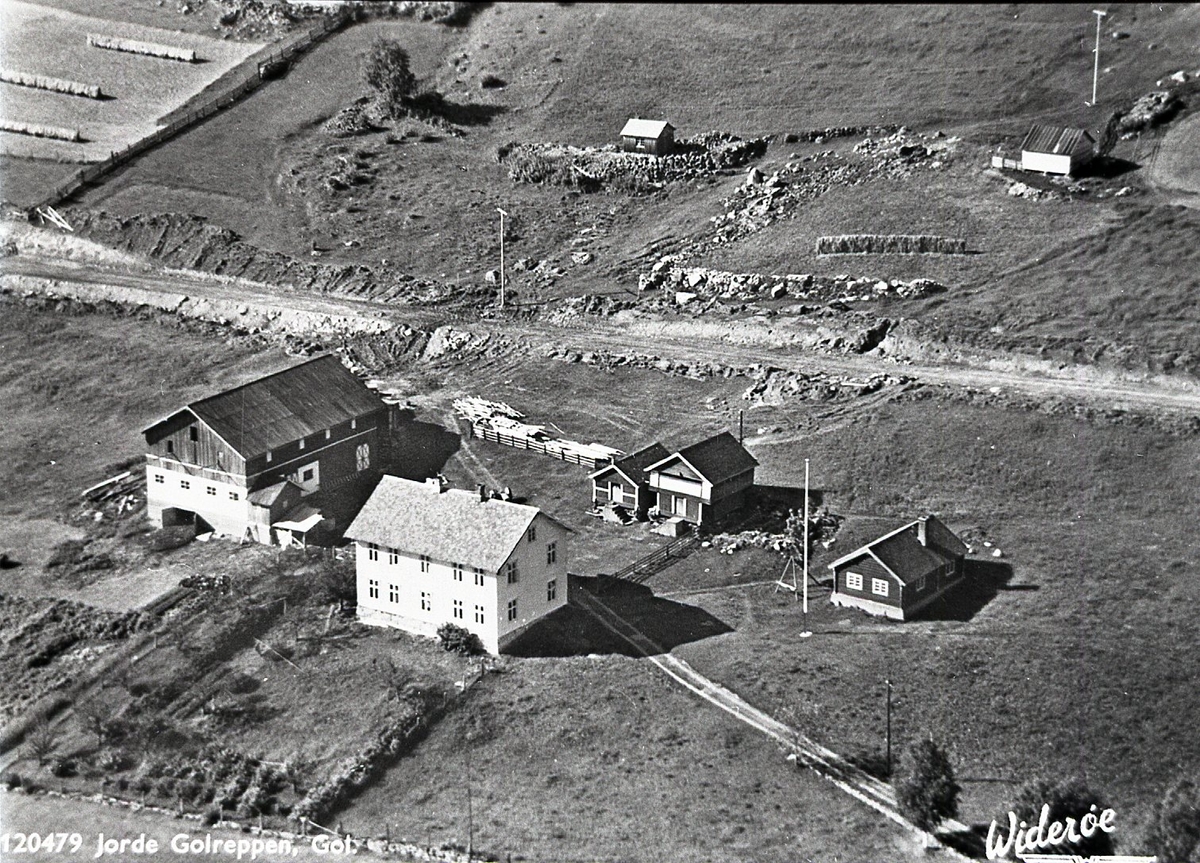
[(328, 434), (426, 602), (393, 556), (308, 475), (373, 588), (372, 551), (158, 477), (212, 489), (853, 581), (512, 609), (551, 553), (551, 590), (393, 593), (362, 456), (681, 506), (301, 443), (478, 577), (511, 572), (458, 572), (170, 447), (616, 492), (531, 534), (268, 456), (479, 614), (233, 495), (424, 563), (919, 584), (183, 483), (458, 611), (193, 433), (353, 424), (879, 587)]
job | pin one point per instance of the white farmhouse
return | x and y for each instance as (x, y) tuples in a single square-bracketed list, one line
[(428, 555)]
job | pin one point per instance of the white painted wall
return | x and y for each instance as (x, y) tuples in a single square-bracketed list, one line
[(226, 515)]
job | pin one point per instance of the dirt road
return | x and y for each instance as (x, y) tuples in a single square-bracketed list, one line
[(684, 341)]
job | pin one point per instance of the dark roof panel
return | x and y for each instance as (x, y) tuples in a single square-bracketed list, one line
[(719, 458), (634, 465), (942, 539), (286, 406), (1053, 139), (904, 555)]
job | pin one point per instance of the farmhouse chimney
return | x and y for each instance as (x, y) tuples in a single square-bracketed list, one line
[(483, 492), (921, 529), (438, 482)]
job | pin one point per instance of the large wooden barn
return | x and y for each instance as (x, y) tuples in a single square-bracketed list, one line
[(656, 137), (901, 572), (270, 460), (704, 482)]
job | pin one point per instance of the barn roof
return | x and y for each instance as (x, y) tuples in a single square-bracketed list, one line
[(450, 525), (635, 128), (716, 459), (1057, 140), (267, 496), (902, 553), (285, 406), (634, 465)]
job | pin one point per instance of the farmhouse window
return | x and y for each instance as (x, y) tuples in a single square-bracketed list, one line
[(853, 581), (362, 456), (458, 612), (531, 534), (183, 483), (551, 553), (393, 556), (551, 590), (158, 477), (426, 602), (879, 587), (513, 575), (478, 577), (373, 588), (353, 424), (393, 593), (479, 614), (681, 506), (458, 572), (424, 563), (212, 489), (372, 551), (919, 584), (328, 434), (193, 434), (512, 609), (268, 456), (301, 443)]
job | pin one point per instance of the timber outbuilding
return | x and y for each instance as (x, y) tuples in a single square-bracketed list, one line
[(655, 137), (705, 482), (1056, 149), (276, 460), (625, 482), (901, 572)]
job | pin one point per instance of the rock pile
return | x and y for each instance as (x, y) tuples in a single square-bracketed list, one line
[(699, 281), (820, 136), (1149, 111)]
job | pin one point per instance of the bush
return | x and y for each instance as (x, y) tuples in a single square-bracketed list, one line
[(1069, 798), (458, 640), (1175, 830), (926, 790), (62, 767), (211, 817), (12, 780), (387, 72)]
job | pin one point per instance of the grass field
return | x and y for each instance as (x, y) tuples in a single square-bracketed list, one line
[(53, 42)]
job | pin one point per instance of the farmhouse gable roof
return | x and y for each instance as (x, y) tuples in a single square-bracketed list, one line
[(636, 128), (717, 458), (282, 407), (902, 554), (445, 524), (633, 466)]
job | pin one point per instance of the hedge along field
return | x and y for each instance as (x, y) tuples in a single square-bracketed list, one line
[(54, 43)]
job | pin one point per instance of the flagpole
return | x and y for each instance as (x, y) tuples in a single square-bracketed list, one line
[(805, 633)]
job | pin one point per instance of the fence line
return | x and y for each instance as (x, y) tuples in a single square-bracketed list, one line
[(521, 442), (238, 85), (641, 569)]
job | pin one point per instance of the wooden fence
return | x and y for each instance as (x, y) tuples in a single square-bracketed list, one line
[(232, 87), (656, 561), (543, 447)]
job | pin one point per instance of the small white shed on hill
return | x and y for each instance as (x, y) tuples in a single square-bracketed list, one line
[(1056, 149)]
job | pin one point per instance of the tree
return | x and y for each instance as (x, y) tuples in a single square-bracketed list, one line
[(1070, 798), (926, 789), (387, 72), (1175, 831), (41, 742)]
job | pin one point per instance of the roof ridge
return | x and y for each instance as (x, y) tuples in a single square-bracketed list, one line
[(266, 377)]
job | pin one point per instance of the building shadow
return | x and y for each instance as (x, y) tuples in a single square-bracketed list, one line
[(982, 581), (420, 449), (573, 631), (434, 104), (767, 508), (1107, 168)]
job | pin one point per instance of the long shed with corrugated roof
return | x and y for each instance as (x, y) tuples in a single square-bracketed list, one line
[(1056, 149)]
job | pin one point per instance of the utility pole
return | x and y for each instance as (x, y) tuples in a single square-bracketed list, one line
[(888, 730), (1096, 69), (502, 215), (470, 814), (805, 633)]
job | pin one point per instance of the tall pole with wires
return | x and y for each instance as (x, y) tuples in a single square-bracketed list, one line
[(804, 577), (502, 215)]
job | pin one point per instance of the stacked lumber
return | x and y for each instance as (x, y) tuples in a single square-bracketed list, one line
[(56, 85), (149, 49)]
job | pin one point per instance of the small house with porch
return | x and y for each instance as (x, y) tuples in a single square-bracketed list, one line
[(901, 572), (705, 482), (655, 137), (625, 483), (1056, 149)]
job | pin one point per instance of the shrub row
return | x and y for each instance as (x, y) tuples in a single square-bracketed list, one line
[(880, 244), (57, 85)]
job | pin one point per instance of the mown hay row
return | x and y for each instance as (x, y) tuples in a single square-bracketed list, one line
[(57, 85), (895, 244), (37, 131), (150, 49)]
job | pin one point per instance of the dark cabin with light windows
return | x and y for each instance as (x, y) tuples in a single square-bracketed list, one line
[(625, 482), (901, 572), (705, 482), (272, 459)]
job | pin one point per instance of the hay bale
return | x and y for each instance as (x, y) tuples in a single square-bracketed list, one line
[(56, 85), (56, 132), (148, 49)]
